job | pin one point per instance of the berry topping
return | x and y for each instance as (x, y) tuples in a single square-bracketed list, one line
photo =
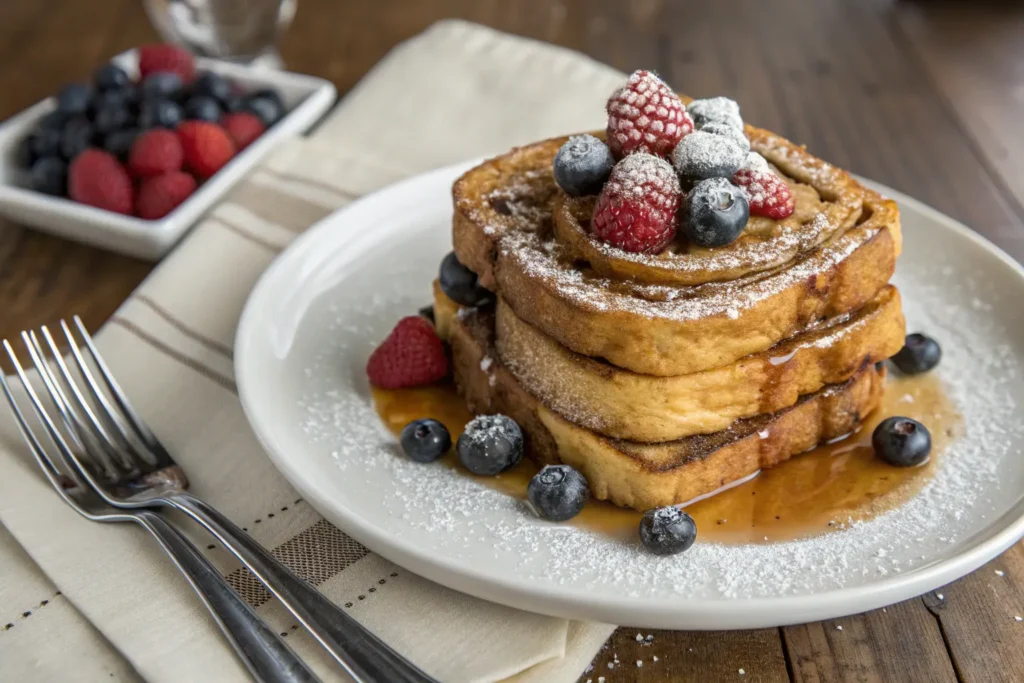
[(920, 353), (74, 99), (159, 195), (49, 175), (667, 530), (490, 445), (425, 440), (715, 213), (243, 128), (166, 58), (645, 116), (703, 155), (756, 162), (582, 165), (717, 109), (411, 355), (767, 193), (154, 152), (111, 77), (726, 131), (206, 145), (636, 210), (160, 113), (97, 178), (558, 492), (460, 284), (902, 442)]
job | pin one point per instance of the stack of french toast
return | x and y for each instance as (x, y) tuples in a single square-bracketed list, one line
[(662, 313)]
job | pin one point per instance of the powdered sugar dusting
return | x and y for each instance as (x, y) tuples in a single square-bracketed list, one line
[(633, 177), (705, 155), (717, 109)]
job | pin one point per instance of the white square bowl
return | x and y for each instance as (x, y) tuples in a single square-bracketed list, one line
[(306, 98)]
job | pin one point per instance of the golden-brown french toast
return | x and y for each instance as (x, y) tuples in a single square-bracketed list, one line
[(646, 408), (688, 309), (644, 475)]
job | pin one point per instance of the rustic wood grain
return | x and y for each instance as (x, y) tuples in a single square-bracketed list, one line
[(922, 96)]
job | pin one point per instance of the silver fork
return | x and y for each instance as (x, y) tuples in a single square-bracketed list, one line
[(135, 472), (263, 652)]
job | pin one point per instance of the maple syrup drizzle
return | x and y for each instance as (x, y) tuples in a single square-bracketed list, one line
[(810, 494)]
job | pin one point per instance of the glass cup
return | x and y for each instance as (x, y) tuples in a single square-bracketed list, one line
[(244, 31)]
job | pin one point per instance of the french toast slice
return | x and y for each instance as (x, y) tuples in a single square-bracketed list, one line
[(642, 475), (647, 408), (504, 230)]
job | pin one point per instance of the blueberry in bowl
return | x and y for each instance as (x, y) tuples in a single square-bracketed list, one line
[(558, 492), (667, 531), (490, 444), (425, 440)]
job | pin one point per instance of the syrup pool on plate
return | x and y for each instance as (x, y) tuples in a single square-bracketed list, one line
[(810, 494)]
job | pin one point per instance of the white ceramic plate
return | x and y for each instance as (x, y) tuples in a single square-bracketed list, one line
[(319, 310), (305, 97)]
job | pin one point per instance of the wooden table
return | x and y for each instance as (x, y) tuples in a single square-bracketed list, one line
[(924, 96)]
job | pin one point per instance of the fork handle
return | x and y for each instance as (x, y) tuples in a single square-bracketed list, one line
[(264, 654), (363, 655)]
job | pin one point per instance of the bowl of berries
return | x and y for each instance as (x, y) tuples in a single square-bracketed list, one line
[(130, 160)]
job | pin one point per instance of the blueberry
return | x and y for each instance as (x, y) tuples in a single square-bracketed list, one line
[(920, 353), (667, 531), (54, 120), (23, 155), (425, 440), (119, 142), (582, 165), (558, 492), (902, 442), (735, 134), (74, 99), (701, 155), (233, 104), (161, 85), (210, 84), (77, 135), (714, 213), (428, 313), (717, 109), (203, 108), (111, 117), (49, 176), (122, 97), (490, 445), (159, 114), (111, 77), (45, 142), (267, 109), (460, 283)]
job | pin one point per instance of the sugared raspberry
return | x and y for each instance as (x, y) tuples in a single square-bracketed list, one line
[(645, 116), (410, 356), (767, 193), (636, 210)]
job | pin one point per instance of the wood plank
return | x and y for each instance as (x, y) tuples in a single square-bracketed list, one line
[(690, 656), (975, 60), (900, 643)]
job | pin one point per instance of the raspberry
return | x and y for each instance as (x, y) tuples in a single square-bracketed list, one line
[(636, 210), (207, 147), (167, 58), (243, 128), (155, 152), (645, 116), (98, 179), (410, 356), (159, 195), (767, 193)]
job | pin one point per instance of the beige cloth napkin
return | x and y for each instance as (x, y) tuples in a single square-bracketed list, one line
[(83, 601)]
